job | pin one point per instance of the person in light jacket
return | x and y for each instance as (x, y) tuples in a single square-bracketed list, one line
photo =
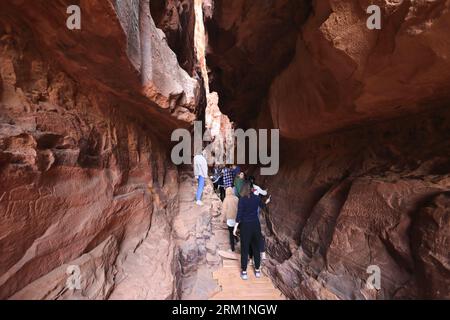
[(200, 173), (229, 210)]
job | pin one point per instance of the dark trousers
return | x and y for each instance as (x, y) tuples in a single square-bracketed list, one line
[(222, 192), (262, 247), (250, 237), (220, 189), (233, 238)]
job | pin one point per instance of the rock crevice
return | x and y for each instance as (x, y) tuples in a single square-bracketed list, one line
[(85, 122)]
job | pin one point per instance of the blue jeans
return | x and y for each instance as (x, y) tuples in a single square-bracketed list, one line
[(201, 185)]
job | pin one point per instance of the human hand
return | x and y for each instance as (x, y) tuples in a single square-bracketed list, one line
[(235, 230)]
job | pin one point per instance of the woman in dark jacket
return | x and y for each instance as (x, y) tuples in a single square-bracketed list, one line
[(247, 219)]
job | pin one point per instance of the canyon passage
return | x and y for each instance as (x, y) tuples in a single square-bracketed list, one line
[(92, 206)]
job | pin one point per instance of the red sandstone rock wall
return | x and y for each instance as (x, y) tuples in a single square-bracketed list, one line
[(343, 73), (85, 118), (367, 196), (365, 165), (320, 68), (176, 19)]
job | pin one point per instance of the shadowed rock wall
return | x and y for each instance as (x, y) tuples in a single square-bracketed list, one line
[(85, 122)]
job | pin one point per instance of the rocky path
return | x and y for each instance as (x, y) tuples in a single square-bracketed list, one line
[(200, 240), (218, 278), (233, 288)]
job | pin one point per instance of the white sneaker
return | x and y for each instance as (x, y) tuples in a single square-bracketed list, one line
[(263, 256), (199, 202)]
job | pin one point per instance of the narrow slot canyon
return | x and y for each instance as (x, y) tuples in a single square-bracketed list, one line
[(88, 186)]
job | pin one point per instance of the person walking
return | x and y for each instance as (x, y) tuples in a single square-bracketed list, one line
[(248, 220), (227, 176), (229, 210), (258, 191), (200, 173), (217, 180), (238, 182)]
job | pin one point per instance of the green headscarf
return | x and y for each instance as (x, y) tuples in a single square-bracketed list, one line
[(238, 182)]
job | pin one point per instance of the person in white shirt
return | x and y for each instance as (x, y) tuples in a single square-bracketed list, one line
[(258, 191), (200, 173)]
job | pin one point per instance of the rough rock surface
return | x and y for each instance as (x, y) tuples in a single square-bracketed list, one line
[(85, 122), (364, 120), (164, 82), (218, 130), (85, 117), (353, 204), (317, 69), (343, 73), (430, 241), (176, 19), (249, 43), (196, 239)]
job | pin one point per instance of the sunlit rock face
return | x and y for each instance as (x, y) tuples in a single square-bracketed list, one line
[(163, 80), (364, 120), (176, 19), (85, 122)]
